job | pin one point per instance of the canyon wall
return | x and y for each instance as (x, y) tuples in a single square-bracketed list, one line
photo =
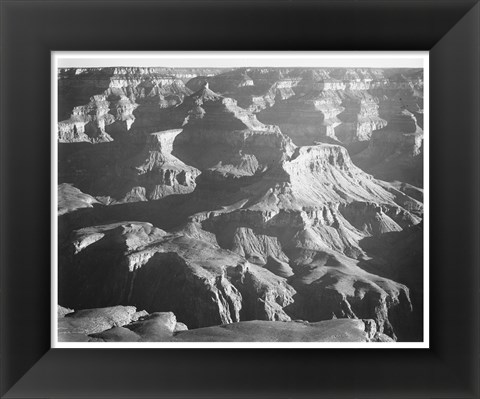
[(241, 195)]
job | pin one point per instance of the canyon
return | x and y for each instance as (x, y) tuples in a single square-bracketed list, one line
[(240, 205)]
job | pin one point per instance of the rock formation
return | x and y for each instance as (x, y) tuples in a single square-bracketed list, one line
[(124, 324), (76, 326), (202, 283), (71, 199), (161, 327), (155, 173), (395, 153), (230, 198)]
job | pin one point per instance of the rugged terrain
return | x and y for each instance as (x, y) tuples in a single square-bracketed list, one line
[(253, 204)]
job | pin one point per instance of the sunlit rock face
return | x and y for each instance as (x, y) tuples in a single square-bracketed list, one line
[(122, 94), (241, 197), (164, 327), (155, 172), (339, 105)]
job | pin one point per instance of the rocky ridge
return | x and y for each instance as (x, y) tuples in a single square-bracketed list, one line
[(120, 324)]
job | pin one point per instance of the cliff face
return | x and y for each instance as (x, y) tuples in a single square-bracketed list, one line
[(118, 95), (395, 153), (234, 142), (87, 122), (343, 105), (195, 192), (155, 173), (203, 284), (253, 89)]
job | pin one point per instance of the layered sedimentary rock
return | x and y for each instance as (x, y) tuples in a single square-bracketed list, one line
[(254, 89), (318, 205), (202, 283), (359, 118), (155, 173), (307, 118), (87, 122), (344, 105), (234, 143), (195, 197), (118, 97), (312, 205), (395, 153)]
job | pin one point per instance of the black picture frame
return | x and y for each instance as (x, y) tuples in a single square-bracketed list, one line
[(449, 30)]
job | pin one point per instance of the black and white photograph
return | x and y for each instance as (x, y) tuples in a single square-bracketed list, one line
[(237, 199), (240, 200)]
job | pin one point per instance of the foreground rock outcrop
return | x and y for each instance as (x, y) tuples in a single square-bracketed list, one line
[(202, 283), (207, 285), (76, 326), (164, 327), (345, 330)]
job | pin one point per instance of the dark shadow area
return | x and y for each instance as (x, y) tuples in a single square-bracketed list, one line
[(75, 90), (399, 256), (93, 168)]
